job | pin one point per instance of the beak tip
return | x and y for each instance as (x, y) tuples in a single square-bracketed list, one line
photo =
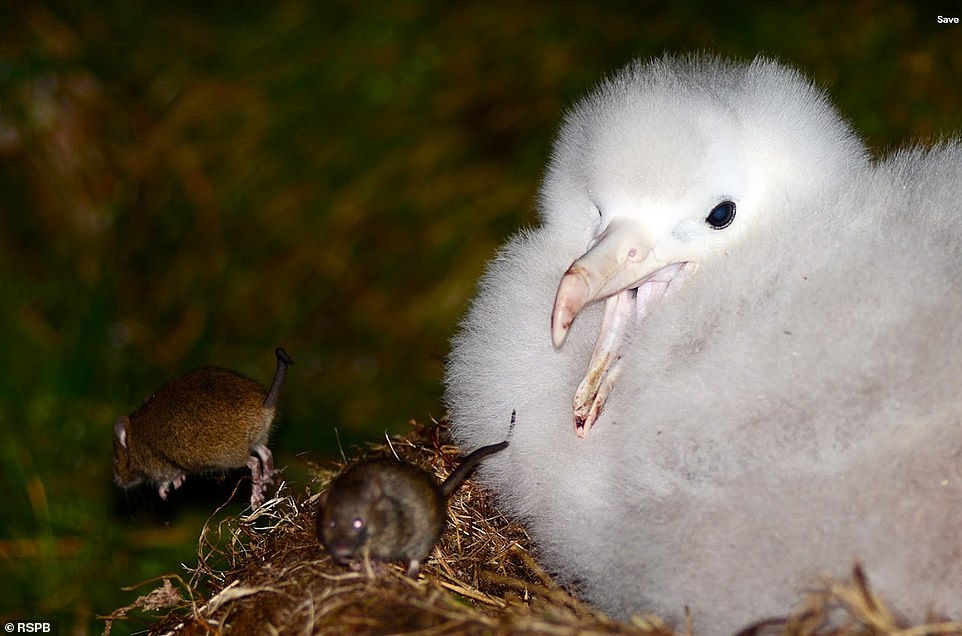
[(561, 320), (569, 300), (581, 428), (558, 337)]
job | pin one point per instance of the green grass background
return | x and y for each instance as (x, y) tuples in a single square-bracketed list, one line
[(187, 183)]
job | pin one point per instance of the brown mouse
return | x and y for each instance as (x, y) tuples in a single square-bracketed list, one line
[(210, 419), (389, 510)]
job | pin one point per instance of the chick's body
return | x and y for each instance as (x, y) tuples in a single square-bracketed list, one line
[(727, 407)]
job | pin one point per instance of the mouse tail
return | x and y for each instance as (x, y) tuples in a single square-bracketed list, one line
[(454, 479), (283, 361)]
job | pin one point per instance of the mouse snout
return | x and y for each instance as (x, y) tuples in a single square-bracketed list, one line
[(341, 551)]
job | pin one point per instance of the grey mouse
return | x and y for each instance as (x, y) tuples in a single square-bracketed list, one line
[(389, 510), (207, 420)]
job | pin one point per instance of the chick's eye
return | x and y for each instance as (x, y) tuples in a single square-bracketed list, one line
[(721, 216), (358, 524)]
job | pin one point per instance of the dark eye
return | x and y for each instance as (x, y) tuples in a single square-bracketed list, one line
[(721, 216)]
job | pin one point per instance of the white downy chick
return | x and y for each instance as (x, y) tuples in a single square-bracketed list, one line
[(770, 389)]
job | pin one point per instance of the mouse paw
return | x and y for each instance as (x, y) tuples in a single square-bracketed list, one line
[(164, 488), (262, 470), (414, 568), (257, 497), (266, 461)]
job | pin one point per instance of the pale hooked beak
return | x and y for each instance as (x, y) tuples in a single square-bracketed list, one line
[(622, 268)]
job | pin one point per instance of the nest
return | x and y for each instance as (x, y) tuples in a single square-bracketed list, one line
[(267, 573)]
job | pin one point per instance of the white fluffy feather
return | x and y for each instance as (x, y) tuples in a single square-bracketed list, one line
[(793, 406)]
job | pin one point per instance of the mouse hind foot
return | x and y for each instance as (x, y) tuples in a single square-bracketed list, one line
[(261, 463)]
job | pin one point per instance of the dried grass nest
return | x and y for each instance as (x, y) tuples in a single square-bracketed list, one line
[(266, 573)]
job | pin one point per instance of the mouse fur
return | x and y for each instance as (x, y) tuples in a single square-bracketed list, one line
[(389, 510), (210, 419)]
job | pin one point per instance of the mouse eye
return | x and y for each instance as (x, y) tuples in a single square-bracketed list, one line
[(358, 524), (721, 216)]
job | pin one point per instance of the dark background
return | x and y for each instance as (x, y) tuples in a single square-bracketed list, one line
[(183, 186)]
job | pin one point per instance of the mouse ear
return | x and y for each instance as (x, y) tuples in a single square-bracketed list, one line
[(376, 487), (121, 427)]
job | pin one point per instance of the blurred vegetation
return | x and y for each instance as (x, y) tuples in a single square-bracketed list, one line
[(189, 183)]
